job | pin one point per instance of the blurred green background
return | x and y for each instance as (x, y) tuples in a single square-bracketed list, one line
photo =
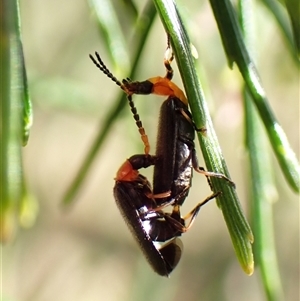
[(87, 252)]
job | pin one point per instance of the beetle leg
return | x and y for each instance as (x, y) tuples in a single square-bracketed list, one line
[(178, 222), (193, 214), (169, 57), (167, 62), (201, 170), (161, 195)]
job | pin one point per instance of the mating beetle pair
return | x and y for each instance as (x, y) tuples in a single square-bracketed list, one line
[(142, 207)]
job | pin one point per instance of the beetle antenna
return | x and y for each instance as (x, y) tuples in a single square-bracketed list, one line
[(101, 66), (139, 124)]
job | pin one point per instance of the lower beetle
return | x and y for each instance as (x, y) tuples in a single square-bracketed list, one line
[(147, 220)]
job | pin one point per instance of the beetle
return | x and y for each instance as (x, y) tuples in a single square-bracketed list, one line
[(146, 218)]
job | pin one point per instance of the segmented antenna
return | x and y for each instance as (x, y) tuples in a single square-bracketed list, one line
[(100, 65), (139, 124)]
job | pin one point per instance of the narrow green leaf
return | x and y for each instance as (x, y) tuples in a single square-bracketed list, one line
[(11, 115), (131, 8), (263, 193), (262, 190), (276, 9), (237, 224), (27, 106), (236, 52), (293, 9), (111, 30)]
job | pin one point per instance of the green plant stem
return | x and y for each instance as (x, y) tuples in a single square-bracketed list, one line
[(276, 9), (262, 190), (111, 30), (141, 35), (11, 118), (263, 194), (293, 9), (236, 52), (238, 227)]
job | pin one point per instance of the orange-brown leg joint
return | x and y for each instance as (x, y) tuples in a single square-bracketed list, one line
[(169, 56)]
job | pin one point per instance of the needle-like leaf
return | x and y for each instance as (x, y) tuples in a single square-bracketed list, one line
[(237, 224)]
